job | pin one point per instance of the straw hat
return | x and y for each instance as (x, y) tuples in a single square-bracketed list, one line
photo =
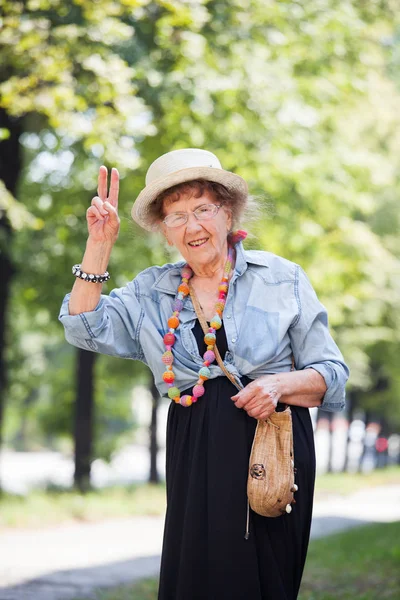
[(179, 166)]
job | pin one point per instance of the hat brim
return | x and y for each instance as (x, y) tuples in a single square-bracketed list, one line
[(140, 208)]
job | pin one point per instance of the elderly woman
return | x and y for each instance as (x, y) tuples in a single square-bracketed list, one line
[(261, 310)]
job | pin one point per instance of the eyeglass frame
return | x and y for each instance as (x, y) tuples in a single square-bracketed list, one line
[(218, 206)]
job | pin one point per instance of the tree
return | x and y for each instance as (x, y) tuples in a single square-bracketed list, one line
[(77, 89), (155, 401), (276, 89)]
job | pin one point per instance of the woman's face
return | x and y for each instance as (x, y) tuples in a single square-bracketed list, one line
[(210, 235)]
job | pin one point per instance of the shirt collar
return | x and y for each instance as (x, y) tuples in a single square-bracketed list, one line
[(170, 278), (244, 257)]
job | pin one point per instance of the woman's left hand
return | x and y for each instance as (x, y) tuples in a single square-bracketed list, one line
[(260, 397)]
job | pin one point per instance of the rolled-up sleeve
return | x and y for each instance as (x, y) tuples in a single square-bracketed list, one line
[(112, 327), (313, 346)]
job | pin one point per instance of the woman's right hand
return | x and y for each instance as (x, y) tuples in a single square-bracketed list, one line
[(102, 216)]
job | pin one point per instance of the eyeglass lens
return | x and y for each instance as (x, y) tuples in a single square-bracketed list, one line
[(202, 213)]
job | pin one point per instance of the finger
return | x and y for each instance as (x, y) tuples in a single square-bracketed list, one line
[(112, 211), (264, 415), (244, 400), (102, 183), (100, 205), (248, 390), (94, 214), (256, 410), (254, 402), (246, 394), (114, 187)]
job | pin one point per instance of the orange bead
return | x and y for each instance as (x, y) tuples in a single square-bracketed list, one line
[(184, 288), (168, 377), (173, 322), (209, 339)]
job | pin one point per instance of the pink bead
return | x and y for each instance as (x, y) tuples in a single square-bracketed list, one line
[(169, 339), (186, 273), (209, 356), (198, 391), (237, 236), (167, 358), (186, 400)]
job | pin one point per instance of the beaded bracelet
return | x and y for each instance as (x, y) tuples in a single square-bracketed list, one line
[(77, 271)]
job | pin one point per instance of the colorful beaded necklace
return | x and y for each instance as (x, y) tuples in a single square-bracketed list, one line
[(210, 336)]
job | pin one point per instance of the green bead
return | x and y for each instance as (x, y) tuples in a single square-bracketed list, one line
[(173, 392), (205, 372), (216, 322)]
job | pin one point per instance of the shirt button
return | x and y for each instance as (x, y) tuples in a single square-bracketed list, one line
[(228, 316), (233, 340)]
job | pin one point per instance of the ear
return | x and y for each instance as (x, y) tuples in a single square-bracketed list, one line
[(164, 231), (229, 219)]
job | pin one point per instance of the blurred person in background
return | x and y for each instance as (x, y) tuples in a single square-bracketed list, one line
[(261, 309)]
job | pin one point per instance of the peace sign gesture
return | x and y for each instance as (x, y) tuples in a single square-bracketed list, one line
[(102, 216)]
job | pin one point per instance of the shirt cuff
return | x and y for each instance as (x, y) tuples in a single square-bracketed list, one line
[(334, 398), (83, 325)]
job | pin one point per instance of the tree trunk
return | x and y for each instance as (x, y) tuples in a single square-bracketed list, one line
[(84, 418), (10, 168), (154, 476)]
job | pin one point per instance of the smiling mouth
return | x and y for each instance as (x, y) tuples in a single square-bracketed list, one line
[(197, 243)]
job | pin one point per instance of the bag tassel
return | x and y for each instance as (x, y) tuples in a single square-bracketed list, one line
[(247, 533)]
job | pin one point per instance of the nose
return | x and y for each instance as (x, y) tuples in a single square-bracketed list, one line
[(193, 224)]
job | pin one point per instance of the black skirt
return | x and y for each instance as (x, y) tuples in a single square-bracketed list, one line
[(205, 555)]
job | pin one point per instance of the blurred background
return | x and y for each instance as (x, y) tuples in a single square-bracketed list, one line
[(302, 99)]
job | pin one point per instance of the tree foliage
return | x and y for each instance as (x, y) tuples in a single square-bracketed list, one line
[(300, 98)]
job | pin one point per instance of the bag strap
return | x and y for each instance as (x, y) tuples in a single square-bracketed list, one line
[(205, 328)]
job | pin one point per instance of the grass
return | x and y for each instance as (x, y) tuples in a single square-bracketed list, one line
[(347, 483), (46, 508), (362, 563), (41, 508), (146, 589)]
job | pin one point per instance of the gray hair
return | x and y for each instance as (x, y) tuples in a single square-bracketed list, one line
[(238, 206)]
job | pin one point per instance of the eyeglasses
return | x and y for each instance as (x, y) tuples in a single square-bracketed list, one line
[(205, 212)]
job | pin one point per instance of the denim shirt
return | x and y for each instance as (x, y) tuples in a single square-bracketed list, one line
[(271, 311)]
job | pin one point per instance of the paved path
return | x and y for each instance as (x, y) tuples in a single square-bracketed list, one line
[(68, 561), (72, 560)]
